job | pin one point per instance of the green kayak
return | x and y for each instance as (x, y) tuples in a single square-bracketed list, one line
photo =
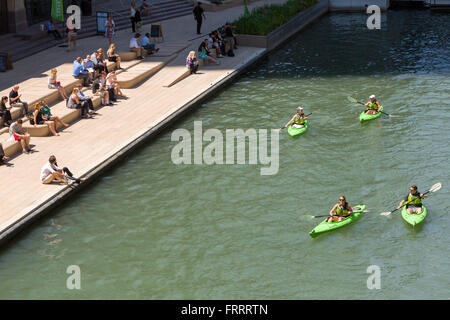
[(366, 117), (414, 218), (293, 132), (325, 226)]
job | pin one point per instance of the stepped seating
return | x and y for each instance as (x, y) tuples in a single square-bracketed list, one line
[(134, 71)]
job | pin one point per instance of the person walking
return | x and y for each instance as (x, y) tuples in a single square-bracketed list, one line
[(109, 27), (199, 14)]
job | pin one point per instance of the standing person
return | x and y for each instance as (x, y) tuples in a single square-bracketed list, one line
[(20, 134), (191, 62), (145, 8), (71, 35), (133, 10), (138, 20), (298, 119), (109, 29), (342, 210), (14, 101), (50, 171), (413, 200), (5, 114), (199, 14)]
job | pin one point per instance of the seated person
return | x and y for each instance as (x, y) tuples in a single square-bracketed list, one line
[(373, 105), (79, 72), (14, 101), (51, 29), (111, 82), (113, 57), (203, 52), (53, 84), (47, 114), (50, 171), (191, 62), (84, 98), (99, 88), (5, 114), (147, 45), (98, 58), (136, 47), (37, 119), (75, 103), (3, 158), (18, 133), (214, 44), (89, 67)]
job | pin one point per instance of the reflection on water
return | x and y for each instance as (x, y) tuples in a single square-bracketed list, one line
[(151, 229)]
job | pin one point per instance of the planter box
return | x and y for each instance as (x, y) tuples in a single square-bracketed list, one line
[(212, 7), (282, 33)]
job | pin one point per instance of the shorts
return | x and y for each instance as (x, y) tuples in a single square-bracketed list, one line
[(414, 209), (371, 111), (297, 125), (16, 138)]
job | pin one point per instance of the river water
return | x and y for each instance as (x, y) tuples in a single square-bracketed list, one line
[(150, 229)]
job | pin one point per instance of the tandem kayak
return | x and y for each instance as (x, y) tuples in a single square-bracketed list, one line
[(325, 226), (293, 132), (414, 218), (366, 117)]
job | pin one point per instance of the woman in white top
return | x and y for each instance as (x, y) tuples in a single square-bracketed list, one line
[(109, 29), (111, 81), (53, 84)]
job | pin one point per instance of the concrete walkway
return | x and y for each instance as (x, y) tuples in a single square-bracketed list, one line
[(87, 143)]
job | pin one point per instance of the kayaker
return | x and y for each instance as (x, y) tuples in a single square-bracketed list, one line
[(298, 119), (341, 210), (413, 200), (373, 105)]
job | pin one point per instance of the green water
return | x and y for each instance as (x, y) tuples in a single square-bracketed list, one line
[(152, 230)]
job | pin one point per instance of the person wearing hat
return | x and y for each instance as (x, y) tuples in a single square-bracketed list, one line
[(373, 105), (298, 119)]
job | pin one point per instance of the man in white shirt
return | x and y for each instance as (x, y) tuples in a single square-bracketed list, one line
[(50, 172), (136, 47)]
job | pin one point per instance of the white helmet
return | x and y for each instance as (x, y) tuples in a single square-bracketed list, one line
[(299, 109), (372, 97)]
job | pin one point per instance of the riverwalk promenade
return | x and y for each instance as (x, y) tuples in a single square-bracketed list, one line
[(87, 145)]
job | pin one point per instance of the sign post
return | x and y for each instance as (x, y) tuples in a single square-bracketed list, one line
[(102, 17), (156, 32)]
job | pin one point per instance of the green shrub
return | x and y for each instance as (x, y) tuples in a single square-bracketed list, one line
[(263, 20)]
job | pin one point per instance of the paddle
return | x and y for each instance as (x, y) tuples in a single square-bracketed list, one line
[(305, 116), (434, 188), (353, 100), (327, 215)]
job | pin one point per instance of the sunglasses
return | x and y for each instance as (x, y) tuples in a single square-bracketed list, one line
[(341, 199)]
